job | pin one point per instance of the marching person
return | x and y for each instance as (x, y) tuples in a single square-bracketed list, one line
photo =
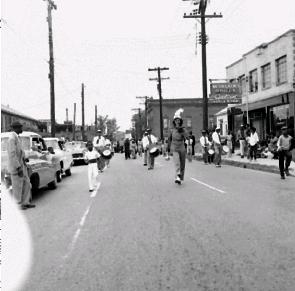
[(108, 145), (21, 186), (177, 145), (139, 147), (241, 135), (144, 141), (284, 149), (253, 143), (204, 141), (148, 141), (91, 156), (217, 147), (99, 144), (189, 148), (133, 149), (127, 148), (191, 136)]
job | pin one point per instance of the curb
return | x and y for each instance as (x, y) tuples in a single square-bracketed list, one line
[(248, 165)]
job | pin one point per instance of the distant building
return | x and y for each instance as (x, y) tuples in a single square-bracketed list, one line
[(267, 78), (193, 114), (9, 115)]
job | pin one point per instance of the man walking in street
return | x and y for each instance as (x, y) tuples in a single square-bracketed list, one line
[(217, 146), (145, 141), (284, 150), (21, 186), (99, 144), (147, 144)]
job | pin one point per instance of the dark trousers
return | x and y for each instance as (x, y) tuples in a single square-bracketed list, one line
[(217, 154), (127, 154), (284, 161), (205, 155), (253, 152)]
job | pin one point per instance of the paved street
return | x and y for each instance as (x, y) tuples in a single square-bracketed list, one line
[(223, 229)]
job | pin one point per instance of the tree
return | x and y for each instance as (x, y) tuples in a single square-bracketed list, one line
[(107, 125)]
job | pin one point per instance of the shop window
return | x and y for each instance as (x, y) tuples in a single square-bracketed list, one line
[(253, 81), (266, 76), (280, 116), (281, 70)]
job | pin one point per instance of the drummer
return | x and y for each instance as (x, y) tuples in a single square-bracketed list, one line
[(177, 141), (144, 149), (99, 144), (204, 141), (148, 141)]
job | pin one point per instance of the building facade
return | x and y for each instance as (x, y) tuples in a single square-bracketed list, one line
[(9, 115), (266, 76), (192, 115)]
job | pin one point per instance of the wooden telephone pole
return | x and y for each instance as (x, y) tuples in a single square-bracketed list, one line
[(74, 123), (83, 113), (159, 86), (50, 7), (200, 13), (145, 108)]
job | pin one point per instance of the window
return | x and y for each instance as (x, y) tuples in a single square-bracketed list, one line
[(266, 77), (253, 81), (242, 83), (281, 69), (165, 123)]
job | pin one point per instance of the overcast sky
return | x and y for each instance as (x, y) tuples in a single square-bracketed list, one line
[(109, 45)]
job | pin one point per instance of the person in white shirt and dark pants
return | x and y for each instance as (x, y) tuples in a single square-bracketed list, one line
[(204, 141), (253, 143), (217, 146), (148, 141)]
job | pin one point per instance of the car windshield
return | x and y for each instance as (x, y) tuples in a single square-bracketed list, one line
[(25, 142), (53, 144), (80, 145)]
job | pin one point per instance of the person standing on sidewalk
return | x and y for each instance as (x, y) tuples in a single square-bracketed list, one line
[(217, 146), (21, 186), (253, 143), (284, 150), (204, 141), (91, 156), (177, 145), (242, 140), (144, 142), (229, 143)]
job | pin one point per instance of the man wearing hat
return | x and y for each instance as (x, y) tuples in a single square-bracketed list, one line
[(99, 144), (147, 142), (217, 146), (284, 150), (21, 186)]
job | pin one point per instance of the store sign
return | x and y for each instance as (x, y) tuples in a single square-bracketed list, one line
[(225, 93)]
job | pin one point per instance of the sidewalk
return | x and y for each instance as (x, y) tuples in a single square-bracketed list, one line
[(266, 165)]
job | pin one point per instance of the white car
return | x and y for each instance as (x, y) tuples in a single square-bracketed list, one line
[(41, 166), (55, 147), (78, 149)]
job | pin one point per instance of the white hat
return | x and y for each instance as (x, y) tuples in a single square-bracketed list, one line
[(217, 128), (178, 114)]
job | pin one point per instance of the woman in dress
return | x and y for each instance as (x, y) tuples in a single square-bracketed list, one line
[(177, 146)]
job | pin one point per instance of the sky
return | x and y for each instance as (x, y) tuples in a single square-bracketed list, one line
[(109, 46)]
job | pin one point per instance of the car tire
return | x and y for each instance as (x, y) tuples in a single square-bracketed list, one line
[(58, 176), (35, 183), (68, 172), (53, 184)]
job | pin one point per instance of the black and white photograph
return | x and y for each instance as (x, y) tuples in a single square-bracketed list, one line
[(147, 145)]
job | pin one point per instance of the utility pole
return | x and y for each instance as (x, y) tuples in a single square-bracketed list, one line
[(95, 120), (159, 86), (83, 113), (51, 6), (200, 13), (74, 123), (145, 108), (140, 123), (67, 118)]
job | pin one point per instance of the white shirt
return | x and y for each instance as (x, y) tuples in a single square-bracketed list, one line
[(101, 141), (145, 140), (91, 155), (204, 141), (107, 142), (215, 137), (253, 140)]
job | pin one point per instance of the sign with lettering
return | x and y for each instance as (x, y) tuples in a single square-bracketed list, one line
[(225, 93)]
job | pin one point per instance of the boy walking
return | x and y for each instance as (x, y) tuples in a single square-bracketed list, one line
[(91, 156)]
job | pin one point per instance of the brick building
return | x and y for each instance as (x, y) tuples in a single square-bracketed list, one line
[(267, 78), (193, 114)]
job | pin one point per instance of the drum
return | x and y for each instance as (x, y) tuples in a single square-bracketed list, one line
[(106, 154), (211, 152), (154, 151), (225, 148)]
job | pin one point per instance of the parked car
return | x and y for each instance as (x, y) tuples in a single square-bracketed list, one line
[(77, 148), (64, 157), (42, 168)]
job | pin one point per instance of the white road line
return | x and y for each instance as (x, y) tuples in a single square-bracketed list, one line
[(96, 190), (211, 187), (82, 221)]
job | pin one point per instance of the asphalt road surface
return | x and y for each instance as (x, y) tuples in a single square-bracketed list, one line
[(224, 229)]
